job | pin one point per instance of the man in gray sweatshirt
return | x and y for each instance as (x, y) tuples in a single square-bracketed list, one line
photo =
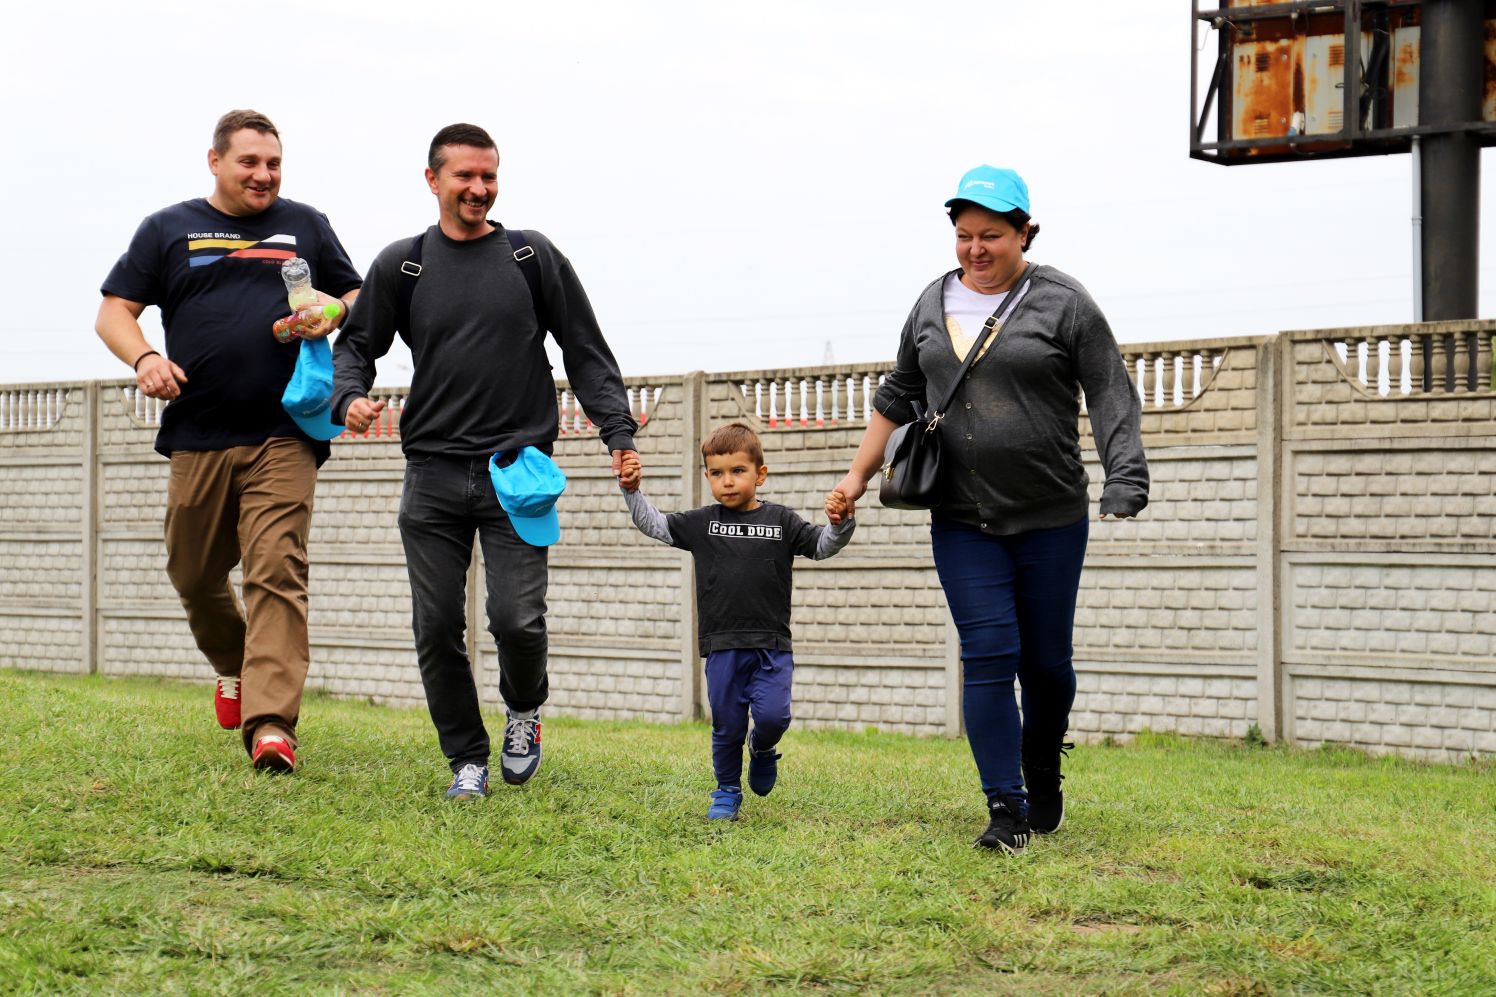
[(474, 301)]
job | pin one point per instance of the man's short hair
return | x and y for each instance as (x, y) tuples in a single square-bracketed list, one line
[(234, 121), (733, 438), (458, 134)]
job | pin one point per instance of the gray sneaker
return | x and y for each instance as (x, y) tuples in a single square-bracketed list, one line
[(521, 756)]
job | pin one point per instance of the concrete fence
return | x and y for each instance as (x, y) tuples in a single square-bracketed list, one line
[(1317, 558)]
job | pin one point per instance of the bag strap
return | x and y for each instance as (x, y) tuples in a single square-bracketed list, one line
[(410, 272), (524, 255), (997, 318)]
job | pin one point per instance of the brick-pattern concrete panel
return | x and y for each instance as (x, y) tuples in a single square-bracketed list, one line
[(1113, 704), (1394, 612), (1434, 721), (1129, 608), (40, 641), (132, 495), (44, 429), (385, 675), (608, 688), (43, 497), (1193, 499), (360, 597), (904, 700), (150, 645), (1397, 494)]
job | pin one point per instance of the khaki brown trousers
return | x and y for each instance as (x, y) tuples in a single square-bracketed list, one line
[(251, 504)]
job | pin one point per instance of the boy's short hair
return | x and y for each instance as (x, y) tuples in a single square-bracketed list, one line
[(733, 438)]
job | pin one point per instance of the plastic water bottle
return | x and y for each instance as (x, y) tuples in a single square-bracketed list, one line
[(289, 328), (298, 277)]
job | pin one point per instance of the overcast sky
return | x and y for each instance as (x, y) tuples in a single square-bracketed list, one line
[(751, 185)]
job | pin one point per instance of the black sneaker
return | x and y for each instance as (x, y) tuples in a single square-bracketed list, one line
[(763, 769), (1006, 830), (1042, 778)]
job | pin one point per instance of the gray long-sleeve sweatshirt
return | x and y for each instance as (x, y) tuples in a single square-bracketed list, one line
[(1011, 438), (482, 381)]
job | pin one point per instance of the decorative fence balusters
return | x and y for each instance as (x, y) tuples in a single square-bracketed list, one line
[(32, 408), (1431, 363)]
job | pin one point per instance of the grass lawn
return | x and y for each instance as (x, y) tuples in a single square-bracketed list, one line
[(139, 853)]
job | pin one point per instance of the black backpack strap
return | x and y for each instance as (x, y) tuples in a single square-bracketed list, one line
[(410, 272), (524, 255)]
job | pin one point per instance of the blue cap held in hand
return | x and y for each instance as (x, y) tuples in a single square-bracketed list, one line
[(528, 489), (994, 189), (308, 395)]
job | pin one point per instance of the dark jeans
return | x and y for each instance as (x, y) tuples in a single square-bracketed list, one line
[(738, 682), (1013, 601), (444, 501)]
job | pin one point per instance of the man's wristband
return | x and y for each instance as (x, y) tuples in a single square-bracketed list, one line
[(147, 353)]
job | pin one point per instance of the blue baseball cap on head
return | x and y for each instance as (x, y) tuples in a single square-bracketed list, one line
[(994, 189), (308, 395), (528, 489)]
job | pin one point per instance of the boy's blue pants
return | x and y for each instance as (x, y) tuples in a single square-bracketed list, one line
[(740, 681)]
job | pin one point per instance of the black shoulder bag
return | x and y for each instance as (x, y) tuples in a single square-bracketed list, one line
[(911, 460)]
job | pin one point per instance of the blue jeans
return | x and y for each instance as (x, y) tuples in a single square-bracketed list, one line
[(1013, 602), (740, 681)]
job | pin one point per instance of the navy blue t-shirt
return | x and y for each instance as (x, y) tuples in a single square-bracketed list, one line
[(216, 278)]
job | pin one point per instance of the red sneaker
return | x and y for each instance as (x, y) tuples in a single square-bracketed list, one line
[(274, 752), (226, 702)]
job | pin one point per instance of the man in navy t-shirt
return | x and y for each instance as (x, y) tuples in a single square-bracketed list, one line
[(242, 472)]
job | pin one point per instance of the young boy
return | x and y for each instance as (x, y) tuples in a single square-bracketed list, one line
[(744, 551)]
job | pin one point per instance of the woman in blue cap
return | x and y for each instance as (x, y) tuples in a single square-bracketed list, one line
[(1009, 531)]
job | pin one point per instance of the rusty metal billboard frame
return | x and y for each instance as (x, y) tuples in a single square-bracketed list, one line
[(1354, 138)]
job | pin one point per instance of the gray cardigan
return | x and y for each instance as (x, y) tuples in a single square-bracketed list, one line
[(1011, 438)]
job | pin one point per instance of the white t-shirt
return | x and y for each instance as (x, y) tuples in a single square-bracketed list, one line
[(966, 311)]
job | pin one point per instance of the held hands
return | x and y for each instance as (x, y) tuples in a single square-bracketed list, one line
[(361, 415), (850, 489), (838, 507), (158, 377), (628, 469)]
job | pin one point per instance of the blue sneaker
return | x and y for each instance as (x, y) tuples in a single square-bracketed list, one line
[(725, 804), (468, 783), (521, 757), (763, 769)]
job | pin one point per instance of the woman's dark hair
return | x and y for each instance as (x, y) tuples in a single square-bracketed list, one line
[(1017, 218)]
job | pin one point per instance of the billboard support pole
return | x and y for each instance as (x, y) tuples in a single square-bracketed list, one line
[(1452, 65), (1417, 158)]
